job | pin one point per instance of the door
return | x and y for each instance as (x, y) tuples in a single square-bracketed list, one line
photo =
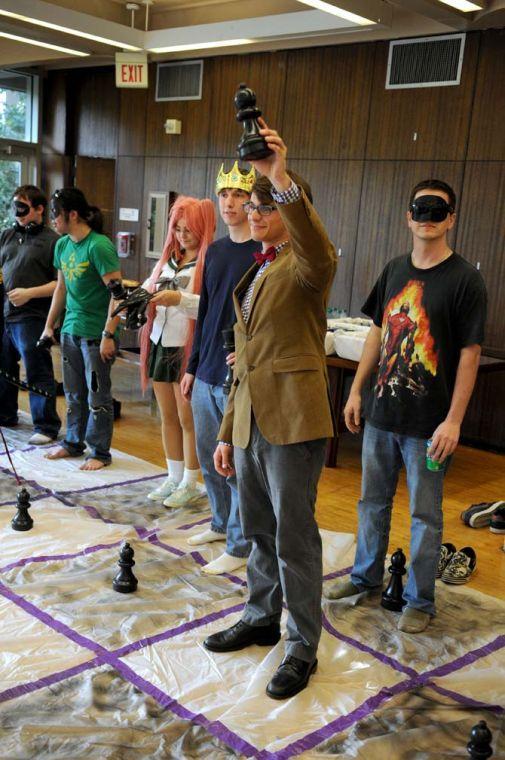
[(96, 177)]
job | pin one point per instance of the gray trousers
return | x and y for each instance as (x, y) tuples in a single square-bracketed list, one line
[(277, 488)]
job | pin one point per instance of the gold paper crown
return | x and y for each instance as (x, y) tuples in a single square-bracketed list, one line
[(235, 179)]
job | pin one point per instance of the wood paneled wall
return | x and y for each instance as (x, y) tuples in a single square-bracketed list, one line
[(361, 146)]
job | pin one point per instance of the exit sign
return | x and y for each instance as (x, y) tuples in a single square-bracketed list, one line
[(131, 70)]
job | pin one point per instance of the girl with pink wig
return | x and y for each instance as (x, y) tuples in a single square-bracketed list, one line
[(166, 338)]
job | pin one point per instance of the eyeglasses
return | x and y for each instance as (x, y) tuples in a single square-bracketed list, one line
[(264, 209)]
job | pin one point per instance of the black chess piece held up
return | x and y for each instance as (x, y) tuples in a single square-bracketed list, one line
[(22, 520), (252, 145), (479, 746), (229, 347), (392, 597), (125, 582)]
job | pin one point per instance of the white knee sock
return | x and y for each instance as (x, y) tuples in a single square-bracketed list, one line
[(175, 469), (190, 477)]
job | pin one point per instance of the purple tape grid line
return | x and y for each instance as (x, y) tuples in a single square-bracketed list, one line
[(113, 659), (100, 655)]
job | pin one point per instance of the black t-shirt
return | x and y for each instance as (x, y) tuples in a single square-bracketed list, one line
[(426, 316), (26, 260), (226, 263)]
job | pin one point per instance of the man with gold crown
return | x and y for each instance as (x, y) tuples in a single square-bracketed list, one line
[(227, 260)]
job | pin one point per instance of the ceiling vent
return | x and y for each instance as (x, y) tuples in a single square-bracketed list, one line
[(425, 62), (181, 80)]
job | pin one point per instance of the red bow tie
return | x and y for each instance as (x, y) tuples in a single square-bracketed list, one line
[(268, 255)]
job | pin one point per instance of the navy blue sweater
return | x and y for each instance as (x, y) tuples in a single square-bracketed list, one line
[(226, 263)]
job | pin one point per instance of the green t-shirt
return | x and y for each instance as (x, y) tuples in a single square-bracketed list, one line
[(83, 265)]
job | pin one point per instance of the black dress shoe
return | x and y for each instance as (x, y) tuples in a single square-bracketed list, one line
[(242, 635), (291, 676)]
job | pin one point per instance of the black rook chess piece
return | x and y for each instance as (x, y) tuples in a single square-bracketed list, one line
[(392, 597), (125, 582), (22, 520), (479, 746), (252, 145), (229, 346)]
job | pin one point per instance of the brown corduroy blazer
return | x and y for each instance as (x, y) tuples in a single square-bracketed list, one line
[(280, 367)]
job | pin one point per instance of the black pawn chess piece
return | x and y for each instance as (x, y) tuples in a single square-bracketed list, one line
[(479, 746), (229, 347), (392, 597), (252, 145), (22, 520), (125, 582)]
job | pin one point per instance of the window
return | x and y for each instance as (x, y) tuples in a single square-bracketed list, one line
[(18, 106), (10, 178)]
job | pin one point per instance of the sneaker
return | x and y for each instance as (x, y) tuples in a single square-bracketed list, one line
[(460, 567), (479, 515), (39, 439), (446, 552), (498, 520), (185, 496), (341, 589), (167, 488), (413, 620)]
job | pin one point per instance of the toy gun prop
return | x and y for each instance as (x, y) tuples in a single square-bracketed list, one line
[(25, 386), (134, 301)]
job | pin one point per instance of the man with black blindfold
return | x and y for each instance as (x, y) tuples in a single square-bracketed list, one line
[(429, 311), (26, 260)]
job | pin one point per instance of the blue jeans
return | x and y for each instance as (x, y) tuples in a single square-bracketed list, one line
[(208, 403), (19, 342), (86, 381), (382, 457)]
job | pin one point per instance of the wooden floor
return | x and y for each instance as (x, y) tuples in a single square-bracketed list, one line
[(474, 476)]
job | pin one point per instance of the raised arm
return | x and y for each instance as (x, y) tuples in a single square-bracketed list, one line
[(315, 256)]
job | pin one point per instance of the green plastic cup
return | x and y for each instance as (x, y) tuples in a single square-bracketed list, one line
[(432, 464)]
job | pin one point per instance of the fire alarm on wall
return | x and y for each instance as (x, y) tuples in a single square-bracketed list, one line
[(173, 127)]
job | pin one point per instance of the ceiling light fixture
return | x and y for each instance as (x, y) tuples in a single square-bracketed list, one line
[(462, 5), (67, 30), (199, 46), (319, 5), (30, 41)]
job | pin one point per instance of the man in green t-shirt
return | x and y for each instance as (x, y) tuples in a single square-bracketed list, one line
[(86, 261)]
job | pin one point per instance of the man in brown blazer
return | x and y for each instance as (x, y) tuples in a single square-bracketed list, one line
[(278, 418)]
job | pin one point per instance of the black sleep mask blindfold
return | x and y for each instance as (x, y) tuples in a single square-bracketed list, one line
[(430, 208), (20, 209)]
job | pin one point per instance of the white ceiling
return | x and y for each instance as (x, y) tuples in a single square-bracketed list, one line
[(271, 24)]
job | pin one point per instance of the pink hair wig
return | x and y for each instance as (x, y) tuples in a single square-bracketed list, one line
[(200, 218)]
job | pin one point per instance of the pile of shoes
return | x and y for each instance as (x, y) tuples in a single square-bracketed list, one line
[(487, 513), (455, 566)]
